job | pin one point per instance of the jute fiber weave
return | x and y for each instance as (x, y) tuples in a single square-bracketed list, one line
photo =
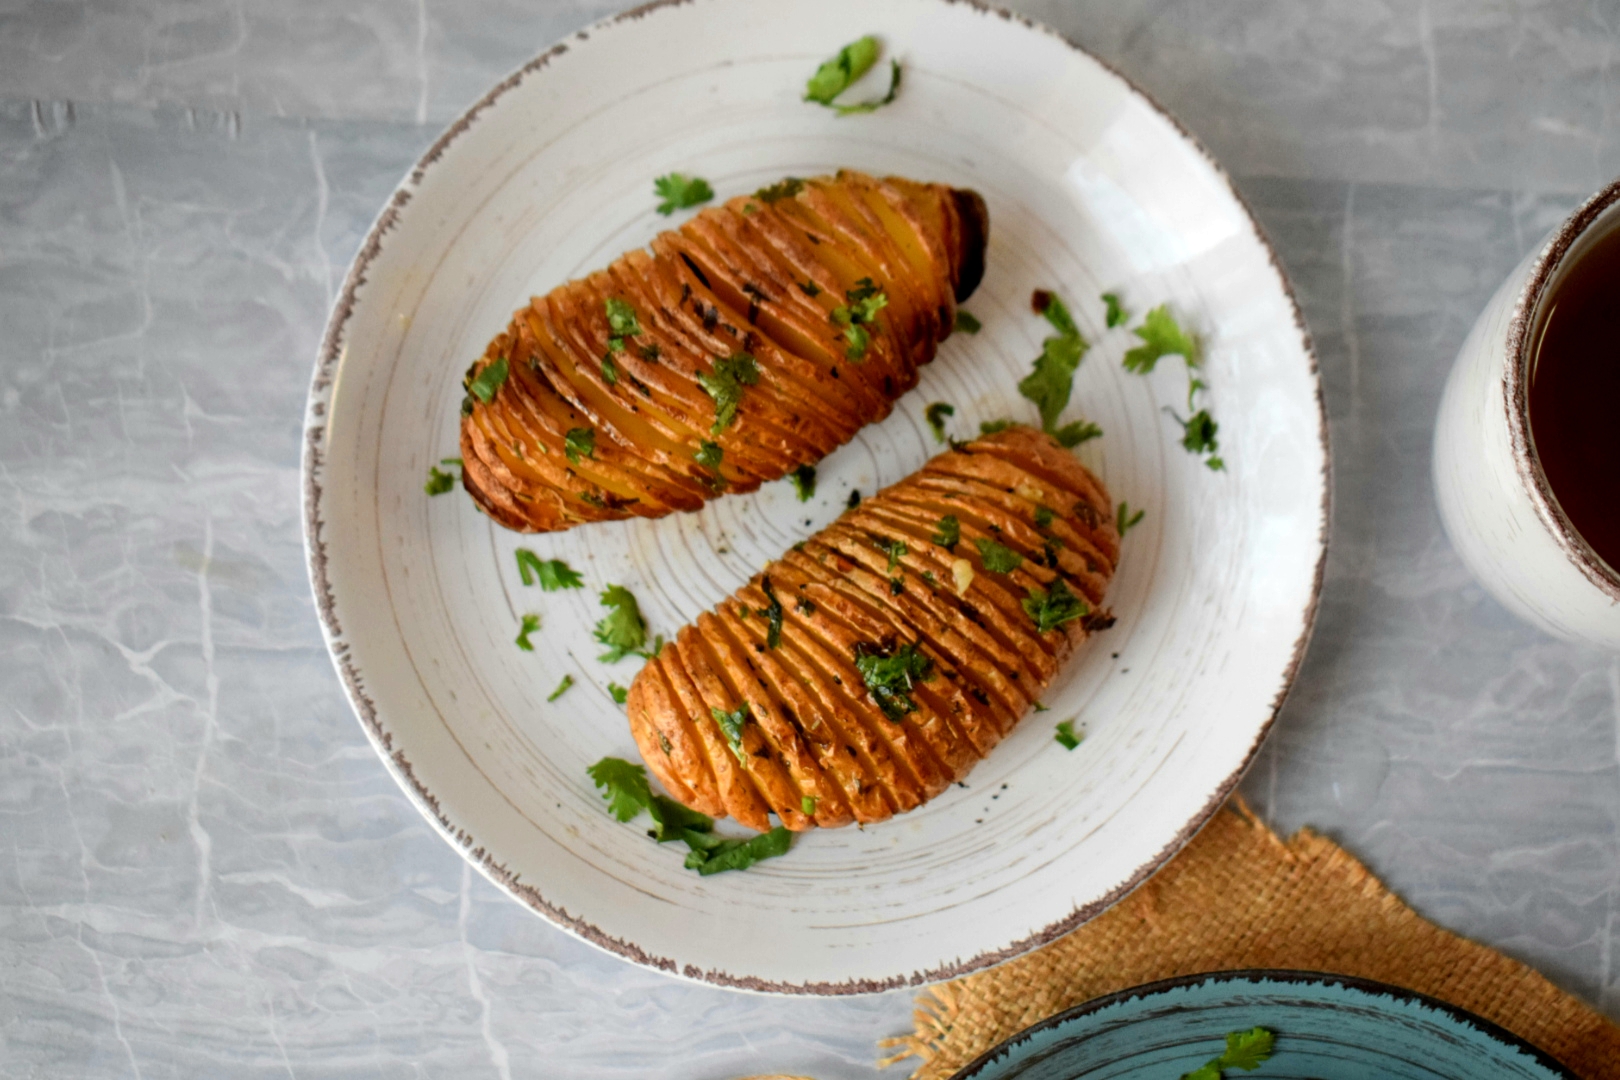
[(1239, 896)]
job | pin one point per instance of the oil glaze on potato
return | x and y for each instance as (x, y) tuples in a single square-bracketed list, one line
[(816, 747), (762, 275)]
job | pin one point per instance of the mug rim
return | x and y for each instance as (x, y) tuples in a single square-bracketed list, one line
[(1516, 392)]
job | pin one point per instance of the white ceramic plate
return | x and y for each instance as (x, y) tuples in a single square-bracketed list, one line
[(1090, 188)]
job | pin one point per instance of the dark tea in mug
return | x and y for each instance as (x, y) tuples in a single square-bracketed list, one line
[(1575, 395)]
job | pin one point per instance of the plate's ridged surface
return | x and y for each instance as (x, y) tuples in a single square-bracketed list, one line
[(1089, 189), (1326, 1027)]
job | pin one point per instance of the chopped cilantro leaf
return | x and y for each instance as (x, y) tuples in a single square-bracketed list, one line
[(1043, 516), (731, 726), (810, 288), (622, 629), (1198, 436), (438, 482), (773, 615), (725, 385), (1052, 608), (997, 557), (891, 677), (804, 482), (966, 323), (1161, 336), (488, 381), (562, 688), (579, 442), (1066, 736), (1073, 434), (836, 75), (1047, 305), (864, 302), (1125, 520), (1244, 1050), (1116, 311), (949, 533), (725, 855), (1042, 708), (894, 549), (808, 804), (531, 623), (552, 574), (783, 189), (935, 414), (621, 317), (610, 370), (990, 427), (617, 692), (857, 340), (624, 786), (680, 191), (709, 455)]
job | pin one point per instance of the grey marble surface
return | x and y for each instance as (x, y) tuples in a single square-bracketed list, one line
[(205, 872)]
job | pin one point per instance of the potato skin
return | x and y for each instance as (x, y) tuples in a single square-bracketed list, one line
[(764, 276), (876, 581)]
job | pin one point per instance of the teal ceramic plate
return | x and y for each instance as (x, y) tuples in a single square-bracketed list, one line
[(1327, 1027)]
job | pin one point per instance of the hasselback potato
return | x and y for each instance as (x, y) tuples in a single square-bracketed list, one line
[(874, 664), (755, 338)]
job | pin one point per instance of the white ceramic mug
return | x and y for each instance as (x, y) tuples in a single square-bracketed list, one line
[(1495, 501)]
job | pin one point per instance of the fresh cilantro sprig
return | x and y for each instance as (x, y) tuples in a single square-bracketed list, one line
[(486, 382), (618, 693), (725, 385), (785, 188), (562, 688), (1051, 608), (531, 623), (1065, 735), (1051, 380), (622, 629), (936, 415), (1124, 520), (863, 302), (731, 725), (894, 549), (1198, 436), (1245, 1050), (773, 614), (1161, 336), (838, 74), (997, 557), (627, 792), (966, 323), (1115, 315), (710, 455), (949, 533), (680, 192), (804, 482), (891, 676), (440, 482), (550, 574), (1072, 434)]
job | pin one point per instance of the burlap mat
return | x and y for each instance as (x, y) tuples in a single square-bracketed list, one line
[(1239, 896)]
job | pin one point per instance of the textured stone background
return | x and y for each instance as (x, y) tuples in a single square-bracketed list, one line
[(205, 872)]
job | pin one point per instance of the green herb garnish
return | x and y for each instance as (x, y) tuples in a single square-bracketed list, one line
[(835, 76), (1161, 336), (610, 370), (865, 300), (712, 855), (617, 692), (935, 414), (622, 629), (1198, 436), (773, 614), (709, 455), (531, 623), (966, 323), (894, 549), (1073, 434), (1043, 516), (579, 443), (621, 317), (783, 189), (891, 677), (805, 607), (1052, 608), (804, 482), (1066, 736), (949, 533), (1125, 520), (627, 792), (438, 482), (997, 557), (488, 381), (551, 574), (562, 688), (725, 385), (808, 805), (1051, 381), (680, 192), (1116, 310), (1245, 1050), (990, 427), (731, 726)]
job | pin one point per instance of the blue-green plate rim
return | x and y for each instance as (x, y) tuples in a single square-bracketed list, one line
[(1276, 975)]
